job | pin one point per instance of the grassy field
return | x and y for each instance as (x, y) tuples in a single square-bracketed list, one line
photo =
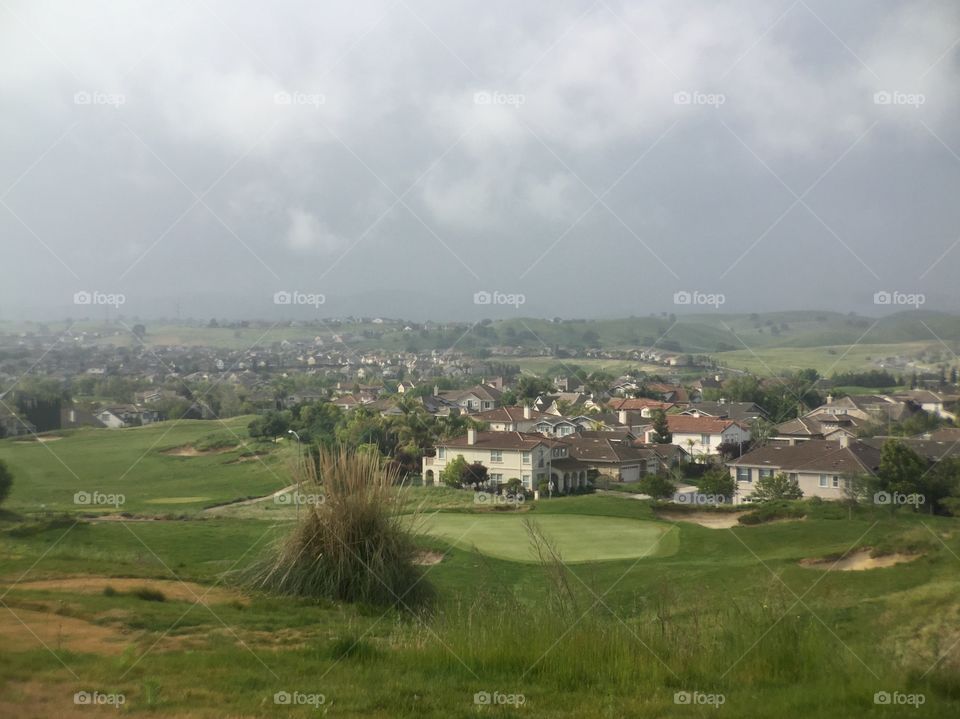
[(165, 467), (153, 611), (826, 359)]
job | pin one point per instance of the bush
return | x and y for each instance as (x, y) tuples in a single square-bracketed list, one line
[(771, 511), (146, 594), (355, 546)]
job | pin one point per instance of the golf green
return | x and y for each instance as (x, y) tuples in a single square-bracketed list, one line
[(579, 538)]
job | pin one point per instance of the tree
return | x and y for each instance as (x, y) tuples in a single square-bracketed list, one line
[(718, 482), (901, 469), (657, 486), (139, 331), (778, 486), (475, 475), (6, 481), (452, 474), (661, 428)]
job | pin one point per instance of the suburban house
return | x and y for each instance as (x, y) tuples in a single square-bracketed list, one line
[(126, 415), (821, 425), (845, 417), (528, 457), (933, 402), (479, 398), (644, 406), (740, 411), (702, 436), (511, 419), (821, 468), (614, 455)]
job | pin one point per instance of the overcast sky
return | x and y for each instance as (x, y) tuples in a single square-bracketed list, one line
[(396, 158)]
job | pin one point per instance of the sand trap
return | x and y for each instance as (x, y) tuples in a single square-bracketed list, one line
[(172, 589), (191, 451), (427, 558), (41, 440), (858, 561), (57, 632), (710, 520)]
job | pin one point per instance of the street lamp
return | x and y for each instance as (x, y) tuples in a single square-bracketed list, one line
[(297, 493)]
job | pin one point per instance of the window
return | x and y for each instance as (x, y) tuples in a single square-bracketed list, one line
[(743, 474), (498, 478), (823, 480), (704, 439), (540, 460), (836, 482), (526, 458), (766, 473), (526, 481), (795, 477), (441, 453), (496, 455)]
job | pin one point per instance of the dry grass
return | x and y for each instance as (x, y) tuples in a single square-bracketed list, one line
[(352, 541)]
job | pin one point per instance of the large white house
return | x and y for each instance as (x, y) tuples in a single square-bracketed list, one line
[(528, 457), (702, 436)]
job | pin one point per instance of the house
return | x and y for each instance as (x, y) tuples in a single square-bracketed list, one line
[(934, 403), (529, 457), (478, 398), (740, 411), (702, 436), (126, 415), (511, 419), (611, 456), (646, 407), (821, 468), (404, 386), (77, 417), (845, 417), (346, 402)]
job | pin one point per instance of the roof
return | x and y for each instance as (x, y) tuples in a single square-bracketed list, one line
[(508, 414), (638, 403), (731, 410), (930, 449), (501, 440), (600, 449), (700, 425), (815, 455)]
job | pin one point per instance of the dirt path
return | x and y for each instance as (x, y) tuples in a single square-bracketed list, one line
[(171, 588)]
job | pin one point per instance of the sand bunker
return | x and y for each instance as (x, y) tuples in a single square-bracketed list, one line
[(42, 440), (172, 589), (711, 520), (191, 451), (427, 558), (858, 561)]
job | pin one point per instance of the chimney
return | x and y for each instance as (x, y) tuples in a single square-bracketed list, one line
[(527, 413), (829, 399), (622, 417), (844, 441), (436, 390), (723, 400), (471, 436)]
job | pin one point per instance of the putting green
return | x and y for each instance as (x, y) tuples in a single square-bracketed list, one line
[(580, 538)]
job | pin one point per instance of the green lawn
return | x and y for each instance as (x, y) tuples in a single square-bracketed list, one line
[(137, 464), (578, 538)]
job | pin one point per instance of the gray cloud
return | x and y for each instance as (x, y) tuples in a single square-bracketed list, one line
[(398, 156)]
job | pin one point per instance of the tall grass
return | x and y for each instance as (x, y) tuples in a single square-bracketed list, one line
[(353, 541)]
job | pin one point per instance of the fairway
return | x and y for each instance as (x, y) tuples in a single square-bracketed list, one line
[(579, 538)]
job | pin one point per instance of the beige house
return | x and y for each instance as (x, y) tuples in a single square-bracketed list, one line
[(702, 436), (530, 458), (510, 419), (821, 468)]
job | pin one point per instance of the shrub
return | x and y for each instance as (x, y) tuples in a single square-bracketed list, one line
[(355, 546), (147, 594), (6, 481)]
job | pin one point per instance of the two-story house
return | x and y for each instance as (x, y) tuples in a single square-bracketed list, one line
[(702, 436), (528, 457)]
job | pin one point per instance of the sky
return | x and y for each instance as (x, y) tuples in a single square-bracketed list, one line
[(437, 159)]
